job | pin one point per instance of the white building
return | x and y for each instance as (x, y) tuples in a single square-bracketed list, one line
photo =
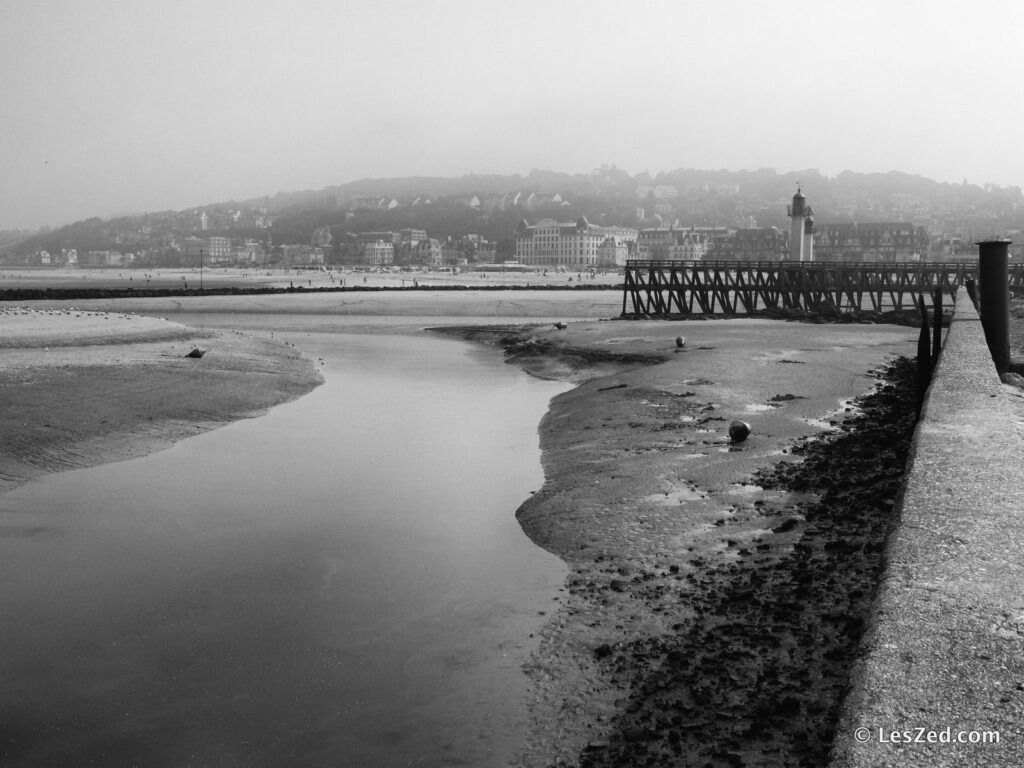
[(218, 250), (378, 253), (614, 253), (574, 245)]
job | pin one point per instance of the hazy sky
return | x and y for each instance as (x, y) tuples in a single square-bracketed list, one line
[(113, 106)]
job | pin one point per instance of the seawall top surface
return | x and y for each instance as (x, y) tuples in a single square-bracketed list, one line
[(943, 658)]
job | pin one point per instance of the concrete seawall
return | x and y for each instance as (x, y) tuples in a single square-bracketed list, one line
[(942, 662)]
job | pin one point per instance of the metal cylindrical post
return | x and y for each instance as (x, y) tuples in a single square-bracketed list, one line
[(994, 298), (924, 362)]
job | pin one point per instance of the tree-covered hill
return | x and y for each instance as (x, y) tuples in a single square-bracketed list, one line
[(486, 205)]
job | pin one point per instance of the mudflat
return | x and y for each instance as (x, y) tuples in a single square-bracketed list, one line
[(715, 590)]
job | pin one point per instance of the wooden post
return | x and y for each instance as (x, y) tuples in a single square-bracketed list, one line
[(994, 297), (937, 330), (625, 278)]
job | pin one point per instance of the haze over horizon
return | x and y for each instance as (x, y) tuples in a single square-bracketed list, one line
[(134, 105)]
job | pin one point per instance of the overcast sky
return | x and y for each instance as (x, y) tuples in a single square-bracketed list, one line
[(112, 106)]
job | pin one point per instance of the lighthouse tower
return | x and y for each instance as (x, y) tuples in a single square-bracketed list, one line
[(801, 228), (809, 237)]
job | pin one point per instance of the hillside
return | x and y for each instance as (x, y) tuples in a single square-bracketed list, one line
[(488, 205)]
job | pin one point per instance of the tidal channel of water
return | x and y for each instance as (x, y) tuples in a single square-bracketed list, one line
[(340, 582)]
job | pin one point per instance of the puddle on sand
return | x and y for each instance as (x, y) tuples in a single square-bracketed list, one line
[(741, 489)]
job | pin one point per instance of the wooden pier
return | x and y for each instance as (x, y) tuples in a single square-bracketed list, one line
[(682, 288)]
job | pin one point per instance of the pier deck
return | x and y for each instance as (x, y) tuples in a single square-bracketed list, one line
[(663, 288)]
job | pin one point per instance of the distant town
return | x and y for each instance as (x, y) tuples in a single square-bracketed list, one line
[(554, 221)]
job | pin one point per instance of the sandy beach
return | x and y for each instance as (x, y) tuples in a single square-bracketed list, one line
[(333, 276), (677, 540)]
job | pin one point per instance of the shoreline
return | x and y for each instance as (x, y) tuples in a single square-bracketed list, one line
[(86, 388), (672, 534)]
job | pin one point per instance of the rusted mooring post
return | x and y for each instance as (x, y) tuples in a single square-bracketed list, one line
[(994, 298)]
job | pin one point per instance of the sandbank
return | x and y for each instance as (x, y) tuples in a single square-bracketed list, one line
[(83, 388)]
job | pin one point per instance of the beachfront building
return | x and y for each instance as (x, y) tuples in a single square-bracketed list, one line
[(429, 252), (213, 250), (190, 247), (249, 253), (218, 250), (760, 244), (614, 252), (406, 247), (378, 253), (302, 255), (104, 259), (376, 249), (485, 251), (671, 244), (451, 254), (573, 245), (871, 241)]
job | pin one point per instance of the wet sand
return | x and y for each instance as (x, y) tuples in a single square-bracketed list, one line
[(716, 590), (678, 543), (83, 388), (335, 276)]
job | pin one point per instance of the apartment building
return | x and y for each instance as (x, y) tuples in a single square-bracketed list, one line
[(380, 253), (249, 252), (672, 244), (406, 246), (104, 259), (615, 252), (218, 250), (302, 255), (871, 241), (760, 244), (574, 245), (429, 252)]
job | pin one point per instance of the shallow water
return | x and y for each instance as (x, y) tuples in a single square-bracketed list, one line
[(339, 582)]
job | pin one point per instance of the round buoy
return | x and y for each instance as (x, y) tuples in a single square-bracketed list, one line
[(680, 342), (738, 431)]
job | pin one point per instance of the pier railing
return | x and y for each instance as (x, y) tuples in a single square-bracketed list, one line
[(665, 288)]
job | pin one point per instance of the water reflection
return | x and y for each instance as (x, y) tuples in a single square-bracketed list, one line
[(340, 582)]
